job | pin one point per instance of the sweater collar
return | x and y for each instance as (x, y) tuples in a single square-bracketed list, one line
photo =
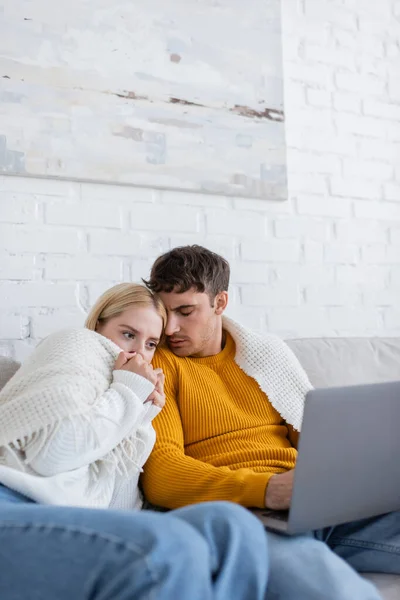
[(228, 352)]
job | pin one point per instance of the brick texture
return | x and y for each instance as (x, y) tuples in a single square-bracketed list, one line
[(325, 262)]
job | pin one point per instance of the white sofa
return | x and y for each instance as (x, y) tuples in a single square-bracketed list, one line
[(331, 362)]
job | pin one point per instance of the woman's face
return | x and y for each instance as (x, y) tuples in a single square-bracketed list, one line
[(137, 329)]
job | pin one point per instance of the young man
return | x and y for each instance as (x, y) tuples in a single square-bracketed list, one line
[(229, 432)]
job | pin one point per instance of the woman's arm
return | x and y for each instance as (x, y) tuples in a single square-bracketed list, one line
[(83, 439)]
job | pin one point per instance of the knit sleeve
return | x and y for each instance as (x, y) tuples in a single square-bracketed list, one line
[(171, 479), (293, 436), (76, 441), (67, 375)]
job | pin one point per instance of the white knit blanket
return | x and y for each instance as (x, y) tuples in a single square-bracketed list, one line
[(275, 368), (63, 378)]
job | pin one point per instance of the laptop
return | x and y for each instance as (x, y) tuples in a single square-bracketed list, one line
[(348, 464)]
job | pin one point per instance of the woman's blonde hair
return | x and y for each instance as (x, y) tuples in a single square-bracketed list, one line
[(121, 297)]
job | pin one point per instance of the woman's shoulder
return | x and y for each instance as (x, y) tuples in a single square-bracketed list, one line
[(72, 336), (76, 342)]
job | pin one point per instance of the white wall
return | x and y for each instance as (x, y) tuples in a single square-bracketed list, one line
[(327, 262)]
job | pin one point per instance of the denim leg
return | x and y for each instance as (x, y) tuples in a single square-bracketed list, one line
[(369, 545), (58, 552), (238, 544), (8, 495), (304, 568)]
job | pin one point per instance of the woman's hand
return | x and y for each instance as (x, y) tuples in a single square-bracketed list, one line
[(157, 396), (136, 364)]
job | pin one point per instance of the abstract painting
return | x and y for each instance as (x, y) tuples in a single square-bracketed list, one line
[(184, 95)]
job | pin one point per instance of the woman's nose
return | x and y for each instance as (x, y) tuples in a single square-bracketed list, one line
[(139, 347)]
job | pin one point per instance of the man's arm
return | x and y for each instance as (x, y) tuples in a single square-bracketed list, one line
[(293, 435), (171, 479), (278, 495)]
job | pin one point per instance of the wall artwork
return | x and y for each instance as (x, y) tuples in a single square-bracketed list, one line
[(184, 95)]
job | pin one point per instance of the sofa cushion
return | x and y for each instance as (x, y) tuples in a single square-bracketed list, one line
[(8, 366), (333, 362), (388, 585)]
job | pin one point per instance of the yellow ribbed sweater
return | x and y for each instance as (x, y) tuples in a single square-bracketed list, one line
[(218, 436)]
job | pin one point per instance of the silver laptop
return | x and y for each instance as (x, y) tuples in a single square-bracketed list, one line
[(348, 464)]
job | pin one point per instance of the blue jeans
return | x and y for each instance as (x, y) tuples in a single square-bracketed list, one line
[(325, 563), (214, 550)]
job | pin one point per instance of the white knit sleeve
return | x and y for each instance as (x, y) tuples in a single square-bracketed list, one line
[(81, 440), (145, 432)]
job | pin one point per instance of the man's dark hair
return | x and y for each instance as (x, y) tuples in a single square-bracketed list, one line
[(188, 267)]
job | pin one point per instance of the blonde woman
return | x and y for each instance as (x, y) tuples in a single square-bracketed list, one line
[(75, 431), (76, 417)]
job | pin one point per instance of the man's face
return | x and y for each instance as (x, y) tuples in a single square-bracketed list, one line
[(194, 326)]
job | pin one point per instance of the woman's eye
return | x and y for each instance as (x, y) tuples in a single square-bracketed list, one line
[(152, 345), (128, 335), (186, 314)]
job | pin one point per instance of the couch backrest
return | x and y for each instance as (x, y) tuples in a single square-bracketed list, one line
[(328, 362), (331, 362), (8, 366)]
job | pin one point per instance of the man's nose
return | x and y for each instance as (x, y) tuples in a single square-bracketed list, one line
[(172, 325)]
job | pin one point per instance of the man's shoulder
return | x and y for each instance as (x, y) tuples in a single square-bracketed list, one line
[(165, 359)]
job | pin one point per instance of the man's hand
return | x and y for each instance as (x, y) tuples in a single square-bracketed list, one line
[(279, 491)]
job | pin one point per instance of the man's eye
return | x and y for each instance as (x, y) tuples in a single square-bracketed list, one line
[(129, 335)]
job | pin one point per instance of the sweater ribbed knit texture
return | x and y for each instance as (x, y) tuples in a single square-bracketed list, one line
[(219, 437)]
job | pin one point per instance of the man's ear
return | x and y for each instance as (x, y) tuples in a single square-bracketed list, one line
[(221, 302)]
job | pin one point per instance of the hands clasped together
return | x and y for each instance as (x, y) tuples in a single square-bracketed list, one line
[(134, 363)]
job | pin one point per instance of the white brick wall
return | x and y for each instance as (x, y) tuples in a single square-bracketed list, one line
[(327, 262)]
